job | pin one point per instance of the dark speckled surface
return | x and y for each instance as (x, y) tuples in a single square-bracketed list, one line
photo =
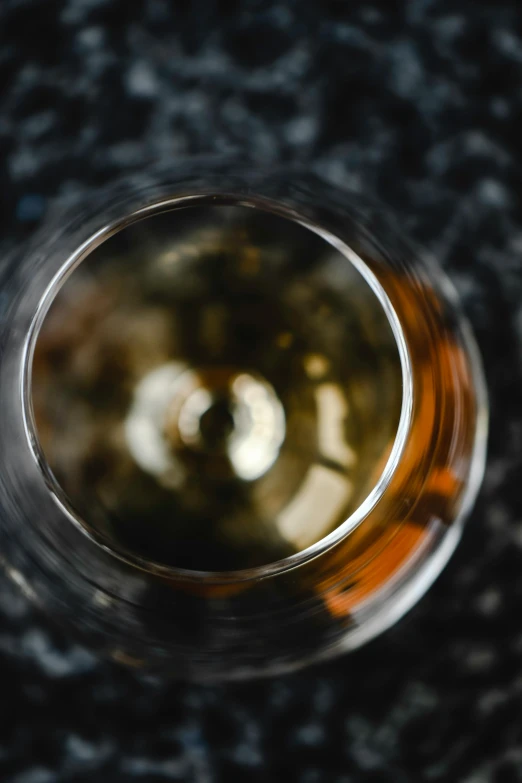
[(420, 102)]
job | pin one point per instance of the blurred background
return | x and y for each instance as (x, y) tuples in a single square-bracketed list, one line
[(418, 102)]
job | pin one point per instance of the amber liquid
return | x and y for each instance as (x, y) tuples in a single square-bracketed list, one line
[(216, 389)]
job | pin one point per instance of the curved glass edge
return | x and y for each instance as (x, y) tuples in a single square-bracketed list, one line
[(215, 577)]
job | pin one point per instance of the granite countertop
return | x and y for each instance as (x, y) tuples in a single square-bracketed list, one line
[(420, 102)]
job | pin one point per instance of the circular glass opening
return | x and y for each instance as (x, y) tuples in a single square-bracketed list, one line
[(215, 388)]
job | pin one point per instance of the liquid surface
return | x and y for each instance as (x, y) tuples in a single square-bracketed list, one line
[(216, 389)]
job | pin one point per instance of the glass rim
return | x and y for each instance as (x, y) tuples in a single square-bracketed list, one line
[(214, 198)]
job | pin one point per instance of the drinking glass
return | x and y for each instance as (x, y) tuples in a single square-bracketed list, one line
[(243, 420)]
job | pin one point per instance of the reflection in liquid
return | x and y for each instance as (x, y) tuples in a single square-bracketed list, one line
[(172, 410), (332, 411), (323, 495)]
